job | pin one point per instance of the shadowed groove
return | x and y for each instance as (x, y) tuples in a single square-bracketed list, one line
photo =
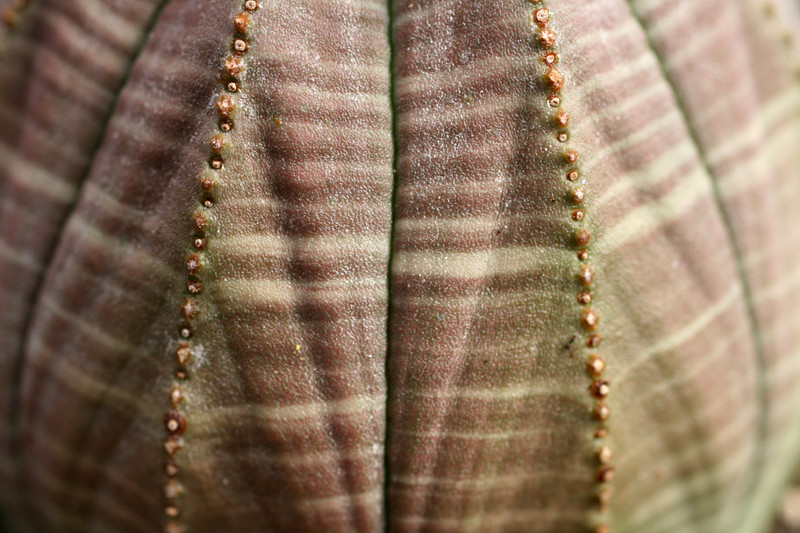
[(393, 103), (747, 295), (19, 364)]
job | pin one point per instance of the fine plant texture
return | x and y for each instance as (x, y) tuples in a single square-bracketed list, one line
[(399, 266)]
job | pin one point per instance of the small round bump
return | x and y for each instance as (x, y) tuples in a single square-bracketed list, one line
[(550, 58), (173, 444), (604, 455), (590, 320), (583, 236), (171, 468), (186, 332), (562, 137), (562, 118), (572, 175), (586, 275), (172, 489), (217, 143), (174, 422), (554, 100), (215, 162), (194, 286), (200, 220), (241, 22), (189, 309), (600, 389), (224, 106), (172, 511), (583, 255), (181, 373), (183, 353), (571, 156), (605, 474), (175, 397), (199, 243), (541, 17), (225, 124), (193, 264), (595, 364), (232, 87), (585, 298), (578, 195), (600, 433), (601, 411), (234, 66), (240, 46), (604, 496), (594, 340), (547, 37), (555, 79), (577, 215), (10, 17), (207, 183), (251, 5), (172, 527)]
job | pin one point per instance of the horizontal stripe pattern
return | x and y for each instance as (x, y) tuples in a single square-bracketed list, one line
[(482, 387), (57, 84), (686, 121), (297, 284), (750, 148), (98, 362)]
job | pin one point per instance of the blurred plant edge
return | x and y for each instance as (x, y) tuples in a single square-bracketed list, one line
[(788, 515)]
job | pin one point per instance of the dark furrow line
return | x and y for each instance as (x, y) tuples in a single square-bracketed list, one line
[(390, 6), (19, 364), (725, 217)]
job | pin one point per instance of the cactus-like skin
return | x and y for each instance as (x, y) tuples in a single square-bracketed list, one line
[(359, 266)]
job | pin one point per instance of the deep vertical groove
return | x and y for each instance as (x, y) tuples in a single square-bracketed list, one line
[(395, 182), (747, 292), (19, 363)]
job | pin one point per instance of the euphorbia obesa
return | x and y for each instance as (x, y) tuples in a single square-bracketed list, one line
[(398, 266)]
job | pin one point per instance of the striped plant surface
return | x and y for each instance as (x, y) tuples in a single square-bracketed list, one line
[(422, 265)]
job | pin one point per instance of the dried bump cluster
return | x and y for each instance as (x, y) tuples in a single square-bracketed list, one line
[(599, 388), (175, 421)]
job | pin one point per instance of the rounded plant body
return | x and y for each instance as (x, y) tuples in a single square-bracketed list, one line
[(360, 266)]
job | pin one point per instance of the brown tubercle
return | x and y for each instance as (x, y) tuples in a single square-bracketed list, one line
[(590, 320), (562, 118), (596, 365), (241, 21), (586, 275), (547, 37)]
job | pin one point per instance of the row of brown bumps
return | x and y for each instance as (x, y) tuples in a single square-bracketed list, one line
[(599, 388), (175, 421)]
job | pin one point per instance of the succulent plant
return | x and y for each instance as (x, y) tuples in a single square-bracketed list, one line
[(422, 265)]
